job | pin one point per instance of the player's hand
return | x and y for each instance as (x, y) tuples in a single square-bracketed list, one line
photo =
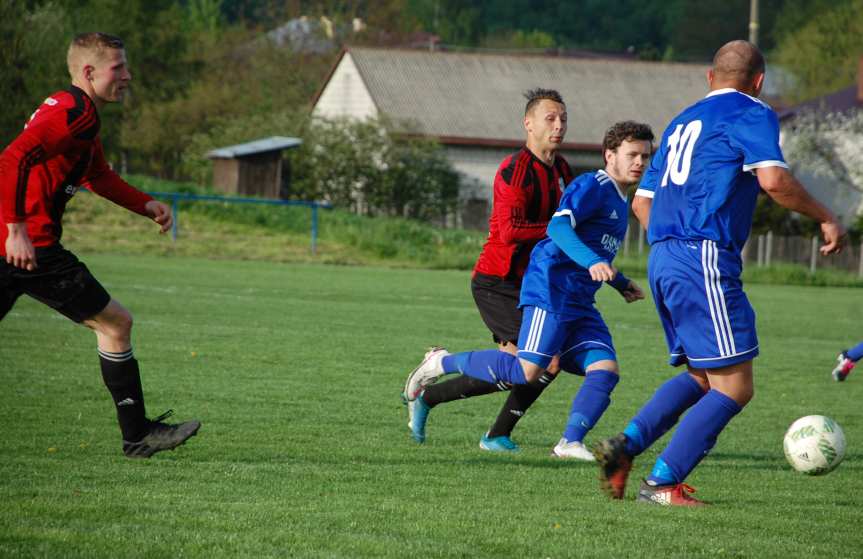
[(602, 271), (632, 293), (19, 248), (160, 213), (835, 238)]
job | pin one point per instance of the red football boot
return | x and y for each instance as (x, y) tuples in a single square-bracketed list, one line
[(676, 495)]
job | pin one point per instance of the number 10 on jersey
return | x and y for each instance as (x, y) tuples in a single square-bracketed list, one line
[(680, 146)]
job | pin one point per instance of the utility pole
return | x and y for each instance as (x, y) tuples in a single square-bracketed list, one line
[(753, 22)]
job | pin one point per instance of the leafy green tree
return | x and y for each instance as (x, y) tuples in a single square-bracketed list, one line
[(824, 51), (362, 166), (32, 64)]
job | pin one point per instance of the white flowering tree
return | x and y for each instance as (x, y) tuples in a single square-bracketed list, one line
[(825, 150)]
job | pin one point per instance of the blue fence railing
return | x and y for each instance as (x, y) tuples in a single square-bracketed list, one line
[(176, 197)]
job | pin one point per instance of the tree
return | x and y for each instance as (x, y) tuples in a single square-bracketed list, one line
[(32, 65), (824, 51), (363, 166)]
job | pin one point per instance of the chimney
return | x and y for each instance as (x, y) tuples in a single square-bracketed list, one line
[(860, 82)]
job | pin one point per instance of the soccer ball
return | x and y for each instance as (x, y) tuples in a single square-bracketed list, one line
[(814, 445)]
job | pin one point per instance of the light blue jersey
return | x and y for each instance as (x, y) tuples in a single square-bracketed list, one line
[(702, 177), (597, 211)]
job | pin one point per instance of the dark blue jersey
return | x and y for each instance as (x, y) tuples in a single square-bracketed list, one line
[(597, 211), (702, 177)]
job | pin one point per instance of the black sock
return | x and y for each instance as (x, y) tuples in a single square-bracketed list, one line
[(521, 398), (121, 376), (458, 388)]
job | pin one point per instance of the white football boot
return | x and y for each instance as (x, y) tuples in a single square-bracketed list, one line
[(575, 450), (426, 373)]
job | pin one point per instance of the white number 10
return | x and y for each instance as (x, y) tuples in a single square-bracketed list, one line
[(680, 146)]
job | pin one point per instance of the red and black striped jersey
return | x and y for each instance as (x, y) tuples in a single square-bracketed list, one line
[(526, 194), (58, 151)]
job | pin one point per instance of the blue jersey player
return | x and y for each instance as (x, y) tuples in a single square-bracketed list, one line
[(560, 321), (697, 200)]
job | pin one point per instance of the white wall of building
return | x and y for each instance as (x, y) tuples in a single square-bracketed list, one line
[(345, 95)]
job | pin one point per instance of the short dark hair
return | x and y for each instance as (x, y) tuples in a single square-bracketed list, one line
[(623, 131), (534, 96), (98, 40)]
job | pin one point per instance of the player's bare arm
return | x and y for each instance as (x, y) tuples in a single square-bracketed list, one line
[(787, 191), (641, 209)]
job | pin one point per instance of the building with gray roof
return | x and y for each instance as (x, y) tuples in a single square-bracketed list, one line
[(473, 104)]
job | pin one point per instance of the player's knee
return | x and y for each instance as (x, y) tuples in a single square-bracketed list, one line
[(603, 365), (116, 325), (532, 371)]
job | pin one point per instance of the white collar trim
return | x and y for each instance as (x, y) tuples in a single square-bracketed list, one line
[(614, 182), (721, 91)]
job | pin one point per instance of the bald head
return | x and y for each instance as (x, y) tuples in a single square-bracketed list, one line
[(738, 63)]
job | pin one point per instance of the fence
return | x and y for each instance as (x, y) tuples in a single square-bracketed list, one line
[(175, 198), (767, 249)]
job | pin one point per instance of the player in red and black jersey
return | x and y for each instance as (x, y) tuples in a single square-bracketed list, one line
[(58, 152), (527, 189)]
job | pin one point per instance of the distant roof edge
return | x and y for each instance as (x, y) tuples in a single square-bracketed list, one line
[(273, 143)]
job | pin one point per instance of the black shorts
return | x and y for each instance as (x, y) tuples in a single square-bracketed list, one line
[(61, 281), (497, 301)]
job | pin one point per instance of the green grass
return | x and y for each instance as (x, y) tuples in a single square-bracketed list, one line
[(295, 372)]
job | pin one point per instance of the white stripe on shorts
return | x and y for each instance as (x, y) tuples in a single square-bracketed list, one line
[(716, 299), (536, 323)]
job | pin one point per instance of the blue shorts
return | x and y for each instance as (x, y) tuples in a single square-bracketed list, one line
[(580, 339), (707, 318)]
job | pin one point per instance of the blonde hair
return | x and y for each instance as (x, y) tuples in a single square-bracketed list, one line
[(88, 47)]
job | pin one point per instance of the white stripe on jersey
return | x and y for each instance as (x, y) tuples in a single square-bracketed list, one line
[(766, 163), (604, 178), (644, 192)]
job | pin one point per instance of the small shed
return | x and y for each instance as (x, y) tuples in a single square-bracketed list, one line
[(254, 168)]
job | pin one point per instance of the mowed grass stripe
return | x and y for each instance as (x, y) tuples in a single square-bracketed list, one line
[(295, 371)]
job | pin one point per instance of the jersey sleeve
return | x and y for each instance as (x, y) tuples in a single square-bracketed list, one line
[(756, 135), (46, 135), (102, 180), (509, 209), (580, 201)]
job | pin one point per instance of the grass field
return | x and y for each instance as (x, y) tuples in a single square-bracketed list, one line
[(295, 371)]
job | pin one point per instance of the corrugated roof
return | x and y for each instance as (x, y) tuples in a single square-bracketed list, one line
[(263, 145), (479, 96), (836, 102)]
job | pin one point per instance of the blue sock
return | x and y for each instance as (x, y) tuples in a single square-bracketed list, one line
[(589, 403), (855, 353), (661, 412), (489, 365), (694, 438)]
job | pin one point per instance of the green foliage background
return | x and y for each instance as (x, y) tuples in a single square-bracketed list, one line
[(205, 76)]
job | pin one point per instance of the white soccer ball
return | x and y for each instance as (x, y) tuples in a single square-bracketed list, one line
[(814, 445)]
